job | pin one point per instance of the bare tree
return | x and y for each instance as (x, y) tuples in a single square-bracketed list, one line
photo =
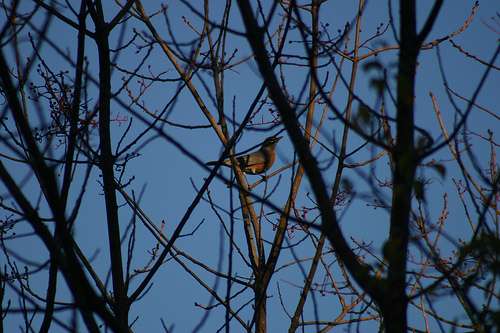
[(135, 81)]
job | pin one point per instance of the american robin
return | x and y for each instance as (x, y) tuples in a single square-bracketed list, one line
[(257, 162)]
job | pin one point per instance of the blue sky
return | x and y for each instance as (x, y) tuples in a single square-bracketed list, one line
[(166, 179)]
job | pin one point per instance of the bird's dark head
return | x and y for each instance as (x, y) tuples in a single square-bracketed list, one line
[(270, 143)]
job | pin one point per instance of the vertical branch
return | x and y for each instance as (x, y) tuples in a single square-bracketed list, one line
[(406, 158), (106, 163), (405, 162), (330, 224), (54, 267), (313, 64), (75, 107)]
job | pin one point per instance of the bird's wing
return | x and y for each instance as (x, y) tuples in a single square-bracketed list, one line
[(257, 157)]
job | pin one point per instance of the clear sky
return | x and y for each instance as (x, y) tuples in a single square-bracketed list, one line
[(166, 179)]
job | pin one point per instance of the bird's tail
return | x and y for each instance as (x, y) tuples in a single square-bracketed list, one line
[(225, 163)]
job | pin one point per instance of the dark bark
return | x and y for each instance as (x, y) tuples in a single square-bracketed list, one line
[(106, 163), (60, 245)]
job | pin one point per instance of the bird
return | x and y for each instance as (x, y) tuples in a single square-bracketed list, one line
[(257, 162)]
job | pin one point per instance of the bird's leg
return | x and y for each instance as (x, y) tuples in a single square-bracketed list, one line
[(264, 177)]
